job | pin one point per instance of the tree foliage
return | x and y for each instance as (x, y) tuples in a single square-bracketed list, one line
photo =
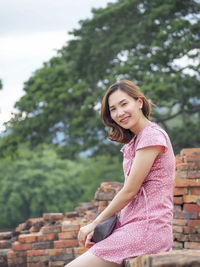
[(143, 41), (38, 181)]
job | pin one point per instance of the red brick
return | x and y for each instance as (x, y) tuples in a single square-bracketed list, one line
[(191, 198), (180, 237), (43, 245), (181, 174), (51, 229), (18, 246), (178, 200), (47, 237), (5, 244), (187, 183), (195, 191), (179, 191), (193, 174), (69, 226), (179, 222), (68, 235), (185, 215), (57, 251), (194, 237), (194, 223), (15, 254), (80, 250), (35, 252), (38, 259), (186, 151), (182, 167), (52, 216), (179, 159), (65, 243), (189, 230), (28, 238), (177, 229), (193, 157), (5, 235), (192, 245), (33, 221), (191, 207)]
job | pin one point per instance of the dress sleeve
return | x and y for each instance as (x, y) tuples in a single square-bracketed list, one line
[(152, 137)]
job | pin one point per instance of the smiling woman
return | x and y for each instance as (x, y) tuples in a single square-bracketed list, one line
[(144, 205)]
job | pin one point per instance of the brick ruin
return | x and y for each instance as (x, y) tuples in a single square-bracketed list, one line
[(52, 239)]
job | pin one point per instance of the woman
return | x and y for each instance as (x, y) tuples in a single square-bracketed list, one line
[(144, 204)]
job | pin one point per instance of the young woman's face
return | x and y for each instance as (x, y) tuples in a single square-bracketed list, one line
[(125, 110)]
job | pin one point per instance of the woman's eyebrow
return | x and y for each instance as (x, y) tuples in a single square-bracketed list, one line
[(119, 102)]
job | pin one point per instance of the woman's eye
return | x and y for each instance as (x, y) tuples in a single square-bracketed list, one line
[(124, 104)]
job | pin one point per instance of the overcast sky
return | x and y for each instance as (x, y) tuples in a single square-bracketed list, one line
[(30, 33)]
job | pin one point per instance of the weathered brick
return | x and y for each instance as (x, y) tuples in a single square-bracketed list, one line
[(186, 215), (179, 191), (47, 237), (71, 214), (189, 229), (35, 252), (195, 191), (80, 250), (180, 237), (179, 222), (178, 200), (69, 226), (63, 257), (21, 246), (191, 207), (194, 237), (186, 151), (36, 264), (65, 243), (15, 254), (51, 229), (181, 175), (191, 198), (193, 157), (30, 238), (43, 245), (187, 182), (192, 245), (68, 235), (52, 216), (5, 235), (38, 259), (177, 229), (57, 251), (5, 244), (193, 174), (194, 223)]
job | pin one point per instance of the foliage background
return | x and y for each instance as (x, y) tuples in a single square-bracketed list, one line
[(54, 152)]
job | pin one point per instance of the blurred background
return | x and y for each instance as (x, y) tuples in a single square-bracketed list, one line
[(57, 58)]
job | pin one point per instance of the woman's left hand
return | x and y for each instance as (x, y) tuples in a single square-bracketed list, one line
[(85, 235)]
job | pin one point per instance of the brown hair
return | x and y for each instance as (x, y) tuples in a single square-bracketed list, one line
[(116, 132)]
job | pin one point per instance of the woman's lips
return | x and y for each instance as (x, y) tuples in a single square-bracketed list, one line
[(124, 120)]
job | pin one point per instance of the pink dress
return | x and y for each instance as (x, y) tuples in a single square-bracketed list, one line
[(145, 223)]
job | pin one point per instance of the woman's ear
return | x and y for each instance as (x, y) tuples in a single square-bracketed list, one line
[(140, 102)]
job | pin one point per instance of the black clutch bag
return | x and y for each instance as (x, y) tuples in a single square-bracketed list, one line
[(104, 229)]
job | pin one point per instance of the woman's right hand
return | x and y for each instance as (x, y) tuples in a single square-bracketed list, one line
[(85, 234)]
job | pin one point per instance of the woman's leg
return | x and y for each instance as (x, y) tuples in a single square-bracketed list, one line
[(88, 259)]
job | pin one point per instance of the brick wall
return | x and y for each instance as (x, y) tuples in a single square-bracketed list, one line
[(52, 239)]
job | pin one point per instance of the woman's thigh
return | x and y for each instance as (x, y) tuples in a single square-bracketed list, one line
[(88, 259)]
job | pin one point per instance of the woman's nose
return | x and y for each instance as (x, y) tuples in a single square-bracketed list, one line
[(120, 112)]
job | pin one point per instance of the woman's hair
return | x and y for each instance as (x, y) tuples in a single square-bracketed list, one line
[(116, 132)]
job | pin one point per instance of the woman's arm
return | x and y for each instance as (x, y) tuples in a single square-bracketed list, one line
[(142, 164)]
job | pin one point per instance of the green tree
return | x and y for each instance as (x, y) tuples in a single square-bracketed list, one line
[(36, 182), (138, 40)]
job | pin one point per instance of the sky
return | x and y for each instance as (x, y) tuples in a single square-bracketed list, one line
[(31, 31)]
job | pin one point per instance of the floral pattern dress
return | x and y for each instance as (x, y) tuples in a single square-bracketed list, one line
[(145, 223)]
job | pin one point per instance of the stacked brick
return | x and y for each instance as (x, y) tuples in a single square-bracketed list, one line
[(186, 223), (52, 239)]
